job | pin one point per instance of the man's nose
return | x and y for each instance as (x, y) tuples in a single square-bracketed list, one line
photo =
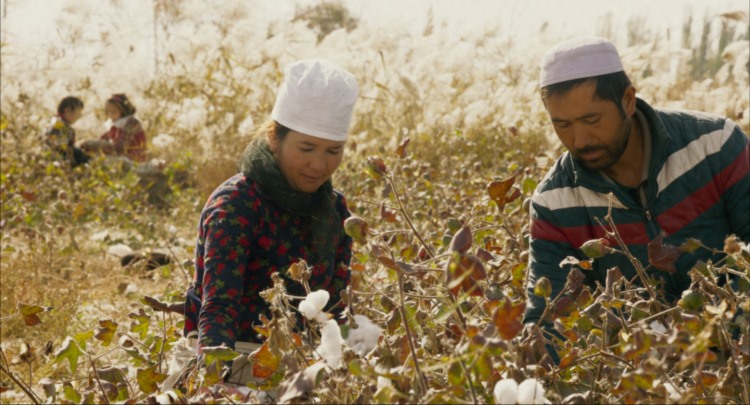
[(582, 136)]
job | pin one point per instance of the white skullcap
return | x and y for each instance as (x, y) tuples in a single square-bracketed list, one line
[(316, 98), (579, 58)]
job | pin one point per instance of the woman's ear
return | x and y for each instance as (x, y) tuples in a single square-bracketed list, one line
[(273, 141)]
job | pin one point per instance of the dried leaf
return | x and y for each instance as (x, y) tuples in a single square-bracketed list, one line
[(301, 383), (499, 191), (387, 215), (29, 313), (661, 256), (462, 240), (401, 150), (265, 362), (463, 273), (508, 317), (106, 331)]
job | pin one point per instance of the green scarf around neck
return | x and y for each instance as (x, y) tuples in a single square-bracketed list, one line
[(259, 164)]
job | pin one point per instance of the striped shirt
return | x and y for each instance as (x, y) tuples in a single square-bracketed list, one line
[(697, 186)]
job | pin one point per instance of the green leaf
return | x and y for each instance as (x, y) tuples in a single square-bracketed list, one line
[(71, 395), (69, 350), (455, 374), (148, 379), (106, 331), (82, 337), (219, 353), (140, 323)]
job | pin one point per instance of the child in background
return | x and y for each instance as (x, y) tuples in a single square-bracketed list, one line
[(126, 136), (61, 136)]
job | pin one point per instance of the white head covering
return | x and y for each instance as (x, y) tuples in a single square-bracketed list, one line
[(316, 98), (579, 58)]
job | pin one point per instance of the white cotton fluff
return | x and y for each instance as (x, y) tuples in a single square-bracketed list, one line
[(313, 304), (365, 337), (506, 391), (330, 344), (658, 327), (162, 141), (531, 391)]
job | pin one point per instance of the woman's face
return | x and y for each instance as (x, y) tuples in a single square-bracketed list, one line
[(306, 161), (112, 112)]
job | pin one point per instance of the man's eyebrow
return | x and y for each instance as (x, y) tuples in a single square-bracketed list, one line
[(582, 117)]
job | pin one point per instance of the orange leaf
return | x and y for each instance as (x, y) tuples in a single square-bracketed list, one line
[(498, 191), (463, 273), (264, 362), (508, 317), (401, 150)]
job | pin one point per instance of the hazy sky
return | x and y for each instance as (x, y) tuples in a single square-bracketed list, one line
[(33, 21)]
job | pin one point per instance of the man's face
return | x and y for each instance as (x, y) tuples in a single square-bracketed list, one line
[(593, 130)]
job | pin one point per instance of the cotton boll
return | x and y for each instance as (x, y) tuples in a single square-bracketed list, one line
[(311, 306), (319, 299), (531, 391), (322, 317), (506, 391), (365, 337), (330, 344), (308, 310)]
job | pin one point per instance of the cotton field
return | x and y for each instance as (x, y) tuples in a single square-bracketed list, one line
[(449, 103)]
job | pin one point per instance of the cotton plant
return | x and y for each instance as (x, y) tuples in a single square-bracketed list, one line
[(530, 391)]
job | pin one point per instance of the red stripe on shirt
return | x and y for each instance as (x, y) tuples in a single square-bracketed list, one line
[(632, 233), (690, 208)]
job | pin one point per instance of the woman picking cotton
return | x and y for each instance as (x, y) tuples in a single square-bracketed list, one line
[(126, 136), (280, 209)]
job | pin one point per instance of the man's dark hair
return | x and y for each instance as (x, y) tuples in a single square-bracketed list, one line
[(611, 87), (69, 102)]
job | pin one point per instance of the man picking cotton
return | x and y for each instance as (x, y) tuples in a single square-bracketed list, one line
[(679, 174)]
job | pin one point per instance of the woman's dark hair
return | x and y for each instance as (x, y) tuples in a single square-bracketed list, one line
[(610, 87), (122, 103), (69, 102), (272, 127)]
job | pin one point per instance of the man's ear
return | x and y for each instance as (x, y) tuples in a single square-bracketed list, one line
[(628, 101)]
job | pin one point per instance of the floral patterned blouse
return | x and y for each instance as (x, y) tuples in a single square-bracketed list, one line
[(242, 239)]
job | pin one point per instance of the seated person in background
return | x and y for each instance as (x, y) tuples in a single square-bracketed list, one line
[(681, 174), (61, 136), (126, 136)]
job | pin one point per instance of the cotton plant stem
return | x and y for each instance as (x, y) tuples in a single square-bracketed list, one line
[(27, 390), (407, 219), (469, 380), (96, 377), (616, 234), (409, 335)]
